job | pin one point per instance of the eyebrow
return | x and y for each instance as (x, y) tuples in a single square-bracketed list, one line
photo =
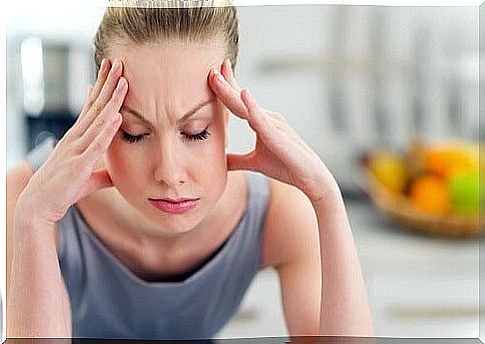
[(184, 118)]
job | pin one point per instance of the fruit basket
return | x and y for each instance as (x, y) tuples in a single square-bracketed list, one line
[(431, 189)]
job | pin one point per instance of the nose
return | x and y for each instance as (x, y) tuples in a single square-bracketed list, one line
[(169, 168)]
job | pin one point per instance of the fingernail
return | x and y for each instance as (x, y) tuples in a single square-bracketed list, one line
[(248, 95), (116, 66), (228, 63), (102, 67), (219, 78)]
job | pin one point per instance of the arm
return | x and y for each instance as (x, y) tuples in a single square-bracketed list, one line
[(344, 307), (306, 251), (280, 153), (38, 304), (294, 244), (34, 280)]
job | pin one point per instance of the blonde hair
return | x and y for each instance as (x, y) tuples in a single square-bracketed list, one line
[(153, 25)]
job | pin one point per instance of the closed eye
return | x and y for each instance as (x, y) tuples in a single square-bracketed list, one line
[(197, 137), (131, 138), (203, 135)]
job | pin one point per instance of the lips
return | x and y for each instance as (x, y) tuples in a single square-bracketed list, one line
[(178, 200), (174, 206)]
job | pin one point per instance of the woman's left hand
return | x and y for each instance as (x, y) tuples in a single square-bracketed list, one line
[(279, 152)]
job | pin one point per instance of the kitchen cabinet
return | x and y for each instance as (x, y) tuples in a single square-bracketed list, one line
[(417, 285)]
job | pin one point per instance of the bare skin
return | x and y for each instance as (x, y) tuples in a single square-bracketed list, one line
[(92, 157), (101, 215)]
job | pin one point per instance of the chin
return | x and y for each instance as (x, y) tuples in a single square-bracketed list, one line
[(177, 223)]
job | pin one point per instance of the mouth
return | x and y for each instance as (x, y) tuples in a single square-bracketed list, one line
[(171, 200), (174, 206)]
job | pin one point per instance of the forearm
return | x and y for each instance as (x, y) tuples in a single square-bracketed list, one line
[(344, 309), (38, 304)]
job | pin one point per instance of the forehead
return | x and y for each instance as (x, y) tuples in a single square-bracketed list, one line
[(167, 76)]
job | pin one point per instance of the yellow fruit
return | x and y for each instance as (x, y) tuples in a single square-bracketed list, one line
[(445, 160), (390, 169), (430, 193)]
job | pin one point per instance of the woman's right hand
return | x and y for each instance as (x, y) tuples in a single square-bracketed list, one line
[(68, 174)]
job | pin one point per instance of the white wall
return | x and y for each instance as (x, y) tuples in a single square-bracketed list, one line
[(321, 65)]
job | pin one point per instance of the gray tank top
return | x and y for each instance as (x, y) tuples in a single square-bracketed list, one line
[(109, 301)]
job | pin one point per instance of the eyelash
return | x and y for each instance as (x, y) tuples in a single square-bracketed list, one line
[(136, 138)]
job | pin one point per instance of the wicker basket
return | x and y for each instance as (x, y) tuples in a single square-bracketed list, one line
[(399, 208)]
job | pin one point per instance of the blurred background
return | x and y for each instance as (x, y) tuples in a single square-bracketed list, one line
[(388, 98)]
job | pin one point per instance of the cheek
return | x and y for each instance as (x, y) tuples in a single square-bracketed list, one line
[(219, 129), (122, 166), (215, 150), (128, 164)]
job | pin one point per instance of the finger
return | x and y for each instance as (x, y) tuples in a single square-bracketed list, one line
[(89, 90), (257, 117), (271, 127), (240, 161), (102, 141), (106, 115), (104, 96), (228, 95), (96, 89), (104, 93), (98, 180), (71, 133), (226, 71)]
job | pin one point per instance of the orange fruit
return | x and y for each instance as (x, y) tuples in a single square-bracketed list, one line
[(447, 160), (430, 194)]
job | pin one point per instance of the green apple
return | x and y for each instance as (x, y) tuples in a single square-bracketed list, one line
[(464, 191)]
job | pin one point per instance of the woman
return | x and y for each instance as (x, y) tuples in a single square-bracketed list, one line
[(137, 224)]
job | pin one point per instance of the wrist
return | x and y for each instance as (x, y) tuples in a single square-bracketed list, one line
[(29, 235), (27, 216), (326, 190)]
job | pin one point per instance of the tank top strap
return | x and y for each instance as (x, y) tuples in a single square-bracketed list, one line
[(259, 194), (107, 303), (258, 186)]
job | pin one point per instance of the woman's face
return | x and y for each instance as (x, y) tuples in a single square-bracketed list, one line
[(172, 141)]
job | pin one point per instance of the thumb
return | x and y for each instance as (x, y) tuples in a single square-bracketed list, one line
[(98, 180), (240, 161)]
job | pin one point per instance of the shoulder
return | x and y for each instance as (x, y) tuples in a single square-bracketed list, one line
[(291, 228)]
